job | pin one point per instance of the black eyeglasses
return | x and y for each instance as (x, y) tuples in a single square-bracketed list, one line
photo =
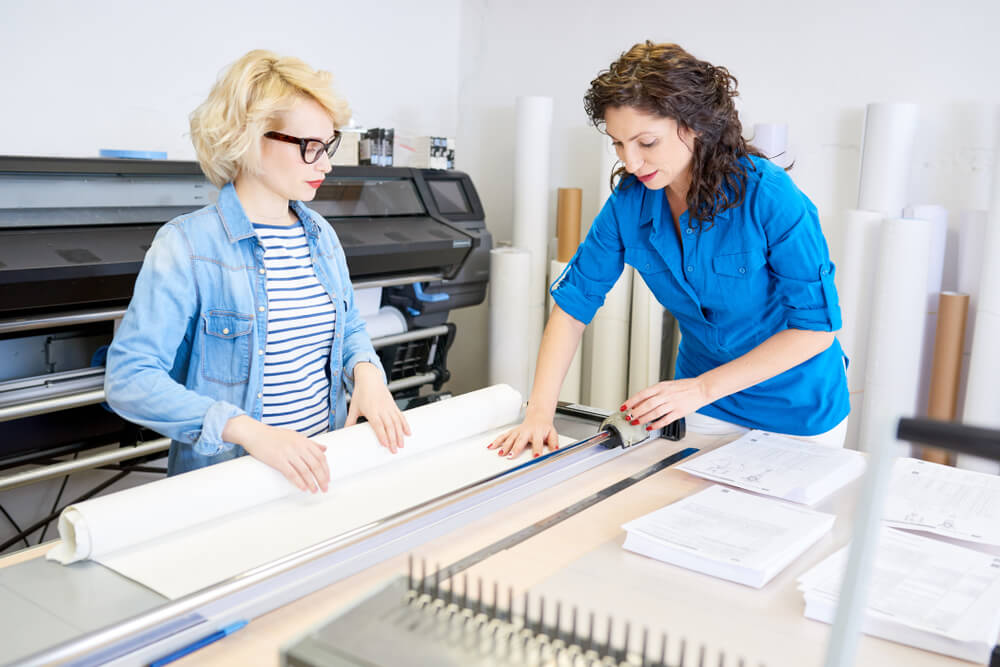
[(311, 149)]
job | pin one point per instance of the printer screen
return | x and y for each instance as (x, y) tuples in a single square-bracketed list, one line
[(367, 197), (449, 196)]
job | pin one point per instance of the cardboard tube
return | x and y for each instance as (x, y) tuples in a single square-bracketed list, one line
[(942, 401), (568, 222)]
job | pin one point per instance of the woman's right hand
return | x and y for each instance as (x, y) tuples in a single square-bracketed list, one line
[(295, 456), (536, 430)]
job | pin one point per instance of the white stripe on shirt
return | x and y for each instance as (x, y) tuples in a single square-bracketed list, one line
[(300, 325)]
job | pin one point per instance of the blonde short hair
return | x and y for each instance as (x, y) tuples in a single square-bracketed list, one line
[(245, 103)]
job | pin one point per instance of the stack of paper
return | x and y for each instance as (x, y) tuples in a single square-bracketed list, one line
[(795, 470), (923, 592), (958, 504), (728, 534)]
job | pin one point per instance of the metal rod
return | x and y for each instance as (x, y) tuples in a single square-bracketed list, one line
[(48, 405), (415, 381), (17, 324), (84, 463), (415, 334), (398, 280)]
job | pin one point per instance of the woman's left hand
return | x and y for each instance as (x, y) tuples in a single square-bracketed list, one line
[(666, 402), (373, 401)]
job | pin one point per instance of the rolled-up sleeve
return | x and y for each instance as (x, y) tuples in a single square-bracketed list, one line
[(595, 267), (798, 257)]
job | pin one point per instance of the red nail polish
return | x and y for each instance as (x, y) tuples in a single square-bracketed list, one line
[(649, 428), (536, 456), (634, 422), (623, 408)]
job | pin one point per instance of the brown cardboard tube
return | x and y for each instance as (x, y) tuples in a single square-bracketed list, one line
[(948, 339), (568, 222)]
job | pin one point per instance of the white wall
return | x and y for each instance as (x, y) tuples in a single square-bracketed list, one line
[(81, 76), (812, 65)]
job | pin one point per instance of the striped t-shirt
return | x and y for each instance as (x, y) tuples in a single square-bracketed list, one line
[(300, 324)]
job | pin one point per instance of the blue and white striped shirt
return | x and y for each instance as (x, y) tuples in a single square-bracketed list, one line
[(300, 326)]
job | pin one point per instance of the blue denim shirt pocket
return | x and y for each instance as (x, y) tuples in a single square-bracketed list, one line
[(225, 356)]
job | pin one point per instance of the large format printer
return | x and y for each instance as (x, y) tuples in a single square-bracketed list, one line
[(73, 234)]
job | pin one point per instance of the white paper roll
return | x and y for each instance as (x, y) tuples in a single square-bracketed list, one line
[(570, 390), (971, 239), (856, 280), (886, 157), (532, 227), (645, 337), (895, 341), (368, 300), (509, 312), (388, 321), (982, 395), (606, 352), (772, 140), (938, 217), (982, 392), (110, 523)]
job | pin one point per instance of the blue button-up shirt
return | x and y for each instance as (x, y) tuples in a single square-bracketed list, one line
[(187, 356), (757, 269)]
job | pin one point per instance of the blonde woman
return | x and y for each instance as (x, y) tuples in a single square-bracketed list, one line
[(242, 335)]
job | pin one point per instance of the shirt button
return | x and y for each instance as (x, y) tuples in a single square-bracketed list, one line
[(743, 269), (647, 266), (690, 269), (225, 331), (260, 395), (690, 231), (262, 272), (260, 351), (260, 308)]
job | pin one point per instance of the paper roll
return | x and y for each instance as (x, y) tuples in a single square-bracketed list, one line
[(133, 516), (606, 352), (772, 140), (368, 300), (895, 341), (568, 223), (532, 228), (509, 312), (645, 338), (570, 390), (982, 392), (886, 157), (948, 339), (971, 237), (388, 321), (855, 281), (938, 217)]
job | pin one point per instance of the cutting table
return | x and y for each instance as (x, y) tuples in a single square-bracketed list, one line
[(576, 559)]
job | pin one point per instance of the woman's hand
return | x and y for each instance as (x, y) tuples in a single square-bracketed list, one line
[(373, 400), (536, 430), (666, 402), (289, 452)]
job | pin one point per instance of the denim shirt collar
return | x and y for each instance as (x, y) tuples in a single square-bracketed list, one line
[(238, 225)]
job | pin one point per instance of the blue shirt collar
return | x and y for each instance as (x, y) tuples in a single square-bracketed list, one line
[(238, 225)]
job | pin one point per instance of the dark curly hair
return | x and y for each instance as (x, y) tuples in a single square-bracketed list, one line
[(666, 80)]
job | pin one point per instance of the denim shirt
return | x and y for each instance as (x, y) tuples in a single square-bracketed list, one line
[(188, 354), (757, 269)]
